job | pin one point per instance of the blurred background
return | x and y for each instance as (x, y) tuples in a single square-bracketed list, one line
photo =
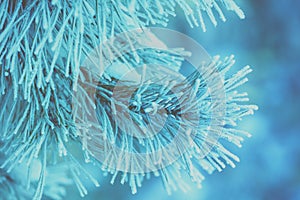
[(269, 41)]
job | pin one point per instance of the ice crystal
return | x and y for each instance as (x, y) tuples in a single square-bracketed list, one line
[(42, 47)]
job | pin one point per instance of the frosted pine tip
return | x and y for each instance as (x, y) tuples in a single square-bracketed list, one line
[(42, 47), (138, 140)]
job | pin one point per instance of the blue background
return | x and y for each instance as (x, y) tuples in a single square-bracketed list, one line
[(269, 41)]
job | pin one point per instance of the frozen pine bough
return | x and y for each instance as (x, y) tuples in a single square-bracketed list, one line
[(154, 122)]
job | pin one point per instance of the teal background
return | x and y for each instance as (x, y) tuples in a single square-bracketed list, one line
[(269, 41)]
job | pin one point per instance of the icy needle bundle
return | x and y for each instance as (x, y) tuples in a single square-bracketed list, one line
[(42, 47)]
